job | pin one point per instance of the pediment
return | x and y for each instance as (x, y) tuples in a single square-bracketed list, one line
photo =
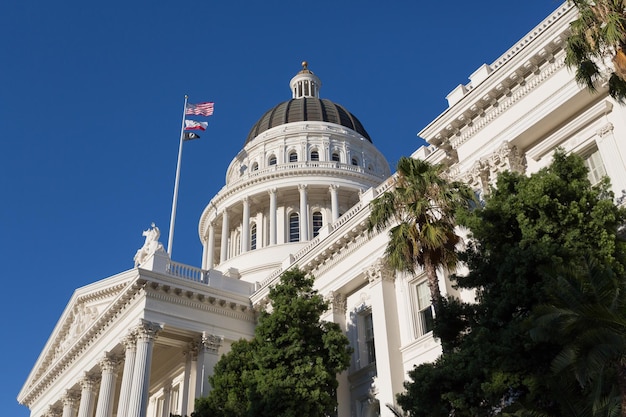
[(84, 308)]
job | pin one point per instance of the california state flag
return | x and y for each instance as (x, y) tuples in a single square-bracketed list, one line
[(193, 125)]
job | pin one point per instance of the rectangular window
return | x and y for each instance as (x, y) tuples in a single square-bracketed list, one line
[(174, 398), (596, 167), (365, 329), (424, 309), (317, 223), (294, 227), (369, 338)]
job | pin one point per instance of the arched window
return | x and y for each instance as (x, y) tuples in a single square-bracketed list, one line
[(355, 161), (293, 156), (315, 155), (253, 237), (272, 160), (294, 227), (255, 167), (335, 157), (317, 222)]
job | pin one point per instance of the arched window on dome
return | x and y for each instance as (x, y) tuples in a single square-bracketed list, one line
[(335, 157), (317, 222), (293, 156), (236, 248), (272, 160), (294, 227), (315, 155), (255, 166), (253, 236), (354, 161)]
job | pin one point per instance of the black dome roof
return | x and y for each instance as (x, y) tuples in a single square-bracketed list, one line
[(307, 109)]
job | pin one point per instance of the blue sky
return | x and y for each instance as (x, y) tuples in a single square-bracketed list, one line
[(91, 97)]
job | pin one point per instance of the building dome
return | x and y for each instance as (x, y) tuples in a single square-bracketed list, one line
[(307, 109), (306, 106)]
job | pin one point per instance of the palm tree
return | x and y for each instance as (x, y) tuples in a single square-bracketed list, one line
[(599, 34), (421, 210), (588, 318)]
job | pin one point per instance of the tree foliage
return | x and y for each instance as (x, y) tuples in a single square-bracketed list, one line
[(599, 35), (528, 227), (421, 209), (290, 367)]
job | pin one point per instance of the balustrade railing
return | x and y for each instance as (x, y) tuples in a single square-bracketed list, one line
[(203, 276)]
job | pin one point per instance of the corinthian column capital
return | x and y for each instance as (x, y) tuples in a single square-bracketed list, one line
[(70, 398), (148, 330), (210, 342), (379, 270)]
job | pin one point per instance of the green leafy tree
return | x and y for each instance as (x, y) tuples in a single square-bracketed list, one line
[(597, 35), (290, 367), (421, 211), (588, 316), (528, 227)]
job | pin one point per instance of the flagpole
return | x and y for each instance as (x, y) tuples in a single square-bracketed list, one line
[(175, 199)]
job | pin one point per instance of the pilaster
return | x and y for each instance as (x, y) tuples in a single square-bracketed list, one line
[(208, 347), (390, 374)]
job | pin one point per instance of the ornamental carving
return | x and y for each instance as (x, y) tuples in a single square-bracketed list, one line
[(210, 342), (337, 302), (507, 157), (148, 330), (605, 130), (380, 270), (82, 318), (150, 246)]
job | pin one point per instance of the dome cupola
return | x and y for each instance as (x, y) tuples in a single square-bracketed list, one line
[(306, 106), (305, 83)]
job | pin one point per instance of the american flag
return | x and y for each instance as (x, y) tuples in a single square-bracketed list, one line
[(203, 109)]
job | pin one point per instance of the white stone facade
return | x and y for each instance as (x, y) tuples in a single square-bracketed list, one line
[(141, 343)]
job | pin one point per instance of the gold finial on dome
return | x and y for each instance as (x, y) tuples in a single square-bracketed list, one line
[(305, 65)]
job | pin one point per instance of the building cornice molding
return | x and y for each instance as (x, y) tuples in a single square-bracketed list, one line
[(514, 75), (215, 303), (144, 284)]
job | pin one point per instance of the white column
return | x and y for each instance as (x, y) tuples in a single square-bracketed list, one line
[(245, 226), (146, 334), (70, 402), (211, 255), (188, 379), (304, 214), (87, 395), (108, 366), (337, 314), (167, 398), (390, 374), (334, 202), (224, 247), (207, 358), (272, 214), (130, 343)]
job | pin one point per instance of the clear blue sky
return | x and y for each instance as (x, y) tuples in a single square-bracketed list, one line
[(91, 97)]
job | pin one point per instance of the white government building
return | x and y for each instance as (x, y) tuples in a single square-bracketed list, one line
[(142, 343)]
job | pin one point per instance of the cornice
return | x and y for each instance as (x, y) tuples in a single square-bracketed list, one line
[(516, 73), (217, 302), (46, 375)]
